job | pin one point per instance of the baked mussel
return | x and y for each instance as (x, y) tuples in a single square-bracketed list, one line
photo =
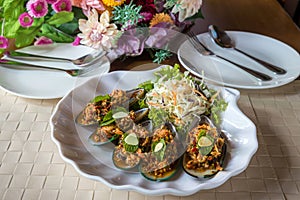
[(132, 145), (98, 108), (162, 161), (115, 124), (205, 151)]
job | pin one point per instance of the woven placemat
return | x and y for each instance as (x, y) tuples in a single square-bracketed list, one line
[(31, 168)]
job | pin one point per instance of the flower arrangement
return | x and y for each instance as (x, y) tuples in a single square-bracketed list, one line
[(111, 25)]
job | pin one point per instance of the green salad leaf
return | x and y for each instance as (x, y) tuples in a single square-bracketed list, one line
[(169, 73), (147, 85), (158, 116)]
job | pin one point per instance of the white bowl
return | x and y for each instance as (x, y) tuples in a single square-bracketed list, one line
[(94, 162)]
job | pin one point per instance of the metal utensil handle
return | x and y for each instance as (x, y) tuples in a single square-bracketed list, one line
[(259, 75), (273, 68), (14, 54), (15, 64)]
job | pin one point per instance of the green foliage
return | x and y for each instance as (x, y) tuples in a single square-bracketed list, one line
[(127, 14), (54, 34), (10, 10), (60, 18), (161, 55), (25, 36)]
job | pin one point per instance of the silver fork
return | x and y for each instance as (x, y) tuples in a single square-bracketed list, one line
[(82, 61), (202, 49), (72, 72)]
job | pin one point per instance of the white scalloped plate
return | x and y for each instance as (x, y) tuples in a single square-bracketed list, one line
[(95, 162)]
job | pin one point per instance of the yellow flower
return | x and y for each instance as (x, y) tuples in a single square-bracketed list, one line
[(113, 2), (159, 18), (99, 34)]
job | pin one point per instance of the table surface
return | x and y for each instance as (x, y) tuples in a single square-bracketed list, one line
[(31, 167)]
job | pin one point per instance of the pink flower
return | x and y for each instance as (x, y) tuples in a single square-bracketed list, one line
[(76, 42), (25, 20), (98, 34), (3, 42), (37, 8), (51, 1), (62, 5), (43, 41)]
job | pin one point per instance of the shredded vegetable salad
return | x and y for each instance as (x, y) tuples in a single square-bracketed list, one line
[(177, 97)]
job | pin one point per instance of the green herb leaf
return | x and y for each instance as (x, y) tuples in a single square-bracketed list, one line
[(100, 98), (108, 116), (107, 122)]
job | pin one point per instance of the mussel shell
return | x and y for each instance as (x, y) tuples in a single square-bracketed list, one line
[(166, 176), (209, 173), (141, 114), (120, 163), (114, 139), (174, 164), (80, 117), (135, 95)]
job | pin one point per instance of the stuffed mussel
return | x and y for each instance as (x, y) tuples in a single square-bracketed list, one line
[(132, 145), (96, 110), (115, 125), (205, 151), (162, 162)]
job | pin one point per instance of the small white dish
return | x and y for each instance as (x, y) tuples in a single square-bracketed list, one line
[(44, 84), (95, 162), (219, 71)]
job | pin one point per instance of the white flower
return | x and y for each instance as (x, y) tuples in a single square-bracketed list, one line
[(98, 34), (186, 8)]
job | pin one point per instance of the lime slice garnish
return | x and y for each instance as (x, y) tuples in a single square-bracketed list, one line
[(132, 139), (119, 115), (158, 147), (204, 142)]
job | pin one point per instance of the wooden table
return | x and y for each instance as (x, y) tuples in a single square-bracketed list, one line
[(31, 167)]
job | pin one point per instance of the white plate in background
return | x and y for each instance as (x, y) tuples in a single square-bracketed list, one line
[(48, 84), (219, 71)]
